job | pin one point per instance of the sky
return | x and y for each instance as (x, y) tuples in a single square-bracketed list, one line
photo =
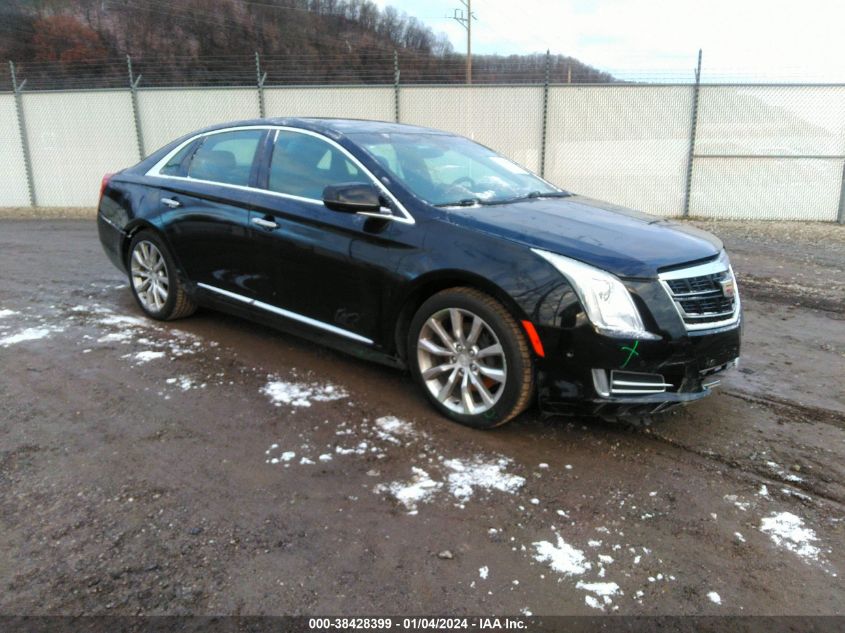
[(765, 40)]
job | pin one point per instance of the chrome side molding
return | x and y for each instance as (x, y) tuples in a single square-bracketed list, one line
[(288, 314)]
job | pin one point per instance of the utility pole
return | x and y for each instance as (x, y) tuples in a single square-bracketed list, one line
[(465, 18)]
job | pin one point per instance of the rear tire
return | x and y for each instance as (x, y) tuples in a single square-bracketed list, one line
[(471, 358), (155, 280)]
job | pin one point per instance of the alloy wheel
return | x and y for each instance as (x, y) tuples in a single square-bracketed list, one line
[(149, 276), (462, 361)]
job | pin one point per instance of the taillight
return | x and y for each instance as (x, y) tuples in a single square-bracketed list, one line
[(104, 183)]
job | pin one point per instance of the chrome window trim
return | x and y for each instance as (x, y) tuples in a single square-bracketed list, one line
[(405, 218), (718, 265), (288, 314)]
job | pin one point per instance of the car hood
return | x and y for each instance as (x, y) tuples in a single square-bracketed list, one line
[(624, 242)]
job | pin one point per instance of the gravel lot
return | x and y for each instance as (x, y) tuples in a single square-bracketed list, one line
[(214, 466)]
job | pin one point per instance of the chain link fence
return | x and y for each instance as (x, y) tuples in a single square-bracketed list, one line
[(770, 151), (750, 151), (626, 144), (507, 118)]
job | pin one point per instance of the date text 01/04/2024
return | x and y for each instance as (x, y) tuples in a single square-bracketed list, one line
[(418, 623)]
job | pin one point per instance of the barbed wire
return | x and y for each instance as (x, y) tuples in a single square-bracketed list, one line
[(357, 67)]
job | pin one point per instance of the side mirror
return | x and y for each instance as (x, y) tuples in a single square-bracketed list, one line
[(352, 197)]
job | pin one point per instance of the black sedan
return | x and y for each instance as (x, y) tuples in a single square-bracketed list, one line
[(427, 251)]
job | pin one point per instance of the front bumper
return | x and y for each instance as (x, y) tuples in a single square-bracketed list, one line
[(681, 369)]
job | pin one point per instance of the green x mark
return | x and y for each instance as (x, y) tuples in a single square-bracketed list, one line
[(632, 351)]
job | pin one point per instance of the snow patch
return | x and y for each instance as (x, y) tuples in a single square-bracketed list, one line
[(147, 355), (419, 489), (794, 493), (361, 449), (389, 427), (29, 334), (602, 589), (117, 337), (185, 383), (93, 309), (483, 572), (301, 394), (714, 597), (787, 530), (783, 474), (5, 312), (466, 476), (742, 505), (561, 557), (122, 319)]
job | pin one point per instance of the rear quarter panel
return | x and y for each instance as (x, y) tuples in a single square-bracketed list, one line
[(127, 205)]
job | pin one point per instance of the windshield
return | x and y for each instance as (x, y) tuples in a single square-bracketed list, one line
[(451, 170)]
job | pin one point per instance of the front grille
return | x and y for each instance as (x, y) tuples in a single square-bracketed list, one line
[(702, 294), (700, 307), (695, 285)]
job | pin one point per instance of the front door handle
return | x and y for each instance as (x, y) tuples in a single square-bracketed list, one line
[(170, 202), (265, 224)]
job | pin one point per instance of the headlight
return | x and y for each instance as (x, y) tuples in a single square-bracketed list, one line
[(606, 300)]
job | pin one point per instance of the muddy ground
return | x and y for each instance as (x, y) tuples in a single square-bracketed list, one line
[(214, 466)]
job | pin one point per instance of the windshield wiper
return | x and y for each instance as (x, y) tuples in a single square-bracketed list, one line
[(534, 195), (545, 194), (472, 202), (465, 202)]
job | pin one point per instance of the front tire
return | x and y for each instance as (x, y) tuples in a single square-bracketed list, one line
[(154, 279), (471, 358)]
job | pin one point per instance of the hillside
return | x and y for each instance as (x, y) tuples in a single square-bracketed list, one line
[(82, 43)]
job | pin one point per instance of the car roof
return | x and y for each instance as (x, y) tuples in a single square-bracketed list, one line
[(334, 127)]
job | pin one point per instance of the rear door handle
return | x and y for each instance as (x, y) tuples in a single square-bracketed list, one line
[(265, 224), (170, 202)]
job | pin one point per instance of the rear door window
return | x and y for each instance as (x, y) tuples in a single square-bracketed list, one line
[(226, 157), (303, 165), (178, 164)]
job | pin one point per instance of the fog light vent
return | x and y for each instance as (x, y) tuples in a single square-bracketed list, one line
[(629, 382)]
